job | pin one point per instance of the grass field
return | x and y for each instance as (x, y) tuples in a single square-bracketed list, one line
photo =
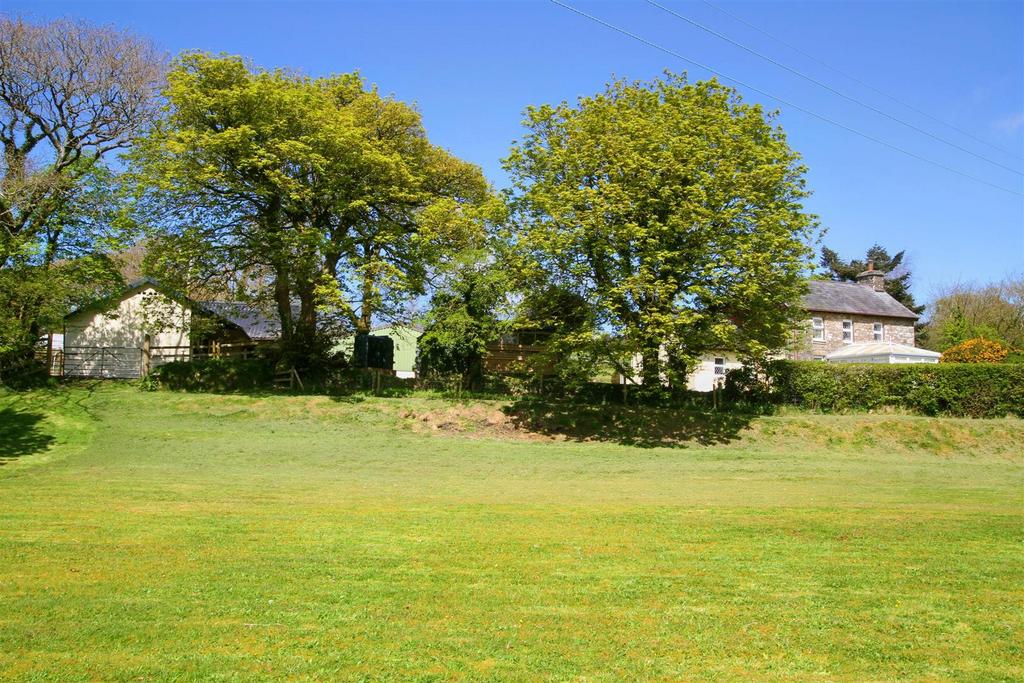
[(162, 536)]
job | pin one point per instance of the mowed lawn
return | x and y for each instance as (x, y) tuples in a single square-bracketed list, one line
[(164, 536)]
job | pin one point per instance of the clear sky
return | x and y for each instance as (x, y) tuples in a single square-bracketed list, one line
[(471, 67)]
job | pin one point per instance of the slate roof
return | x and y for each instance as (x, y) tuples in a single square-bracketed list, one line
[(827, 296), (257, 324)]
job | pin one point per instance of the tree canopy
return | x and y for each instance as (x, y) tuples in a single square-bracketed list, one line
[(468, 311), (672, 210), (897, 278), (963, 312), (315, 190)]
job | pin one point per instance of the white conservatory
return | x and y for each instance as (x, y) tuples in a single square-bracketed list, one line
[(882, 352)]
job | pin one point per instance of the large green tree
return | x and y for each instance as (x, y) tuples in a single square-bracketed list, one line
[(318, 191), (673, 210), (897, 278)]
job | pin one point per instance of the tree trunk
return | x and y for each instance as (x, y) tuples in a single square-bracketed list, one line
[(476, 373), (651, 370), (283, 299), (366, 309), (305, 329)]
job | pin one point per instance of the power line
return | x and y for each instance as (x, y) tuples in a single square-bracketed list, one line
[(781, 100), (828, 87), (861, 82)]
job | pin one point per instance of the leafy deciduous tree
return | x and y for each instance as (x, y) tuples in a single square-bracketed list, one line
[(962, 312), (467, 312), (319, 191), (673, 210)]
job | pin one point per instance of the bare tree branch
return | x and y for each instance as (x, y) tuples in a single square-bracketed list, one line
[(84, 91)]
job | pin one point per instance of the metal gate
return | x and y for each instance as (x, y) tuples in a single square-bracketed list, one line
[(112, 362)]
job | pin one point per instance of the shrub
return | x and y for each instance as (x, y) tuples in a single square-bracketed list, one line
[(977, 350), (956, 389), (216, 374)]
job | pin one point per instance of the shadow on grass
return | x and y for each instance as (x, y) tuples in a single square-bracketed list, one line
[(20, 435), (643, 426)]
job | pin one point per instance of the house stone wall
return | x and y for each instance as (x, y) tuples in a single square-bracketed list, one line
[(897, 330)]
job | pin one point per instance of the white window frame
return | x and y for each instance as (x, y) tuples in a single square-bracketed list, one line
[(818, 329), (719, 364), (878, 331), (847, 329)]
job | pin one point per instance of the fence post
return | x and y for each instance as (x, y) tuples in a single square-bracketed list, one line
[(146, 356)]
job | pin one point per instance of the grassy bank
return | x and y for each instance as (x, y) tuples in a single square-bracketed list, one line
[(162, 535)]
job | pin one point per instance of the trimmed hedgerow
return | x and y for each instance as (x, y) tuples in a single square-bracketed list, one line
[(955, 389), (221, 375)]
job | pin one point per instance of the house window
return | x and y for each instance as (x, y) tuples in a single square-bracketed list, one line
[(719, 366), (847, 331), (818, 327), (877, 331)]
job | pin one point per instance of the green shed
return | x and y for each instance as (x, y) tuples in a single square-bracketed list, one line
[(404, 338)]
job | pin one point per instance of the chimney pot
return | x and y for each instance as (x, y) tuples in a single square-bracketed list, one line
[(875, 279)]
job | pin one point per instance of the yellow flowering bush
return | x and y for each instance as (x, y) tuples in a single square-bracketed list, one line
[(977, 350)]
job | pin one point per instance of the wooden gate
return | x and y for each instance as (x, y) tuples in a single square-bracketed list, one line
[(111, 362)]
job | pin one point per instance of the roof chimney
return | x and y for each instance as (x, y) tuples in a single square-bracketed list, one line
[(875, 279)]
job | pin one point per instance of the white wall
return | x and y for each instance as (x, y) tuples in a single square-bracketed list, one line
[(143, 312), (109, 343), (885, 358), (703, 378)]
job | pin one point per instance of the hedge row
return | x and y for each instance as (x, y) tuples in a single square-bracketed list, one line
[(216, 374), (955, 389)]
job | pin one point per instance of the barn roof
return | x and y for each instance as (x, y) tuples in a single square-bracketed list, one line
[(129, 289), (256, 323), (827, 296)]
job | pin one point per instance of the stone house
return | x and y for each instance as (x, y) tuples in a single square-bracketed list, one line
[(838, 314), (841, 313)]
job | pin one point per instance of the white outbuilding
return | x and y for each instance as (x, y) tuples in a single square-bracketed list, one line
[(146, 325), (882, 352)]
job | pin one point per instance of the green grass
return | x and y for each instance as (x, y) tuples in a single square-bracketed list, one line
[(167, 536)]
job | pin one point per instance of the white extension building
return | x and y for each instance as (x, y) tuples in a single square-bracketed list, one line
[(882, 352)]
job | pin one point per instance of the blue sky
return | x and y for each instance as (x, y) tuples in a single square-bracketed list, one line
[(471, 67)]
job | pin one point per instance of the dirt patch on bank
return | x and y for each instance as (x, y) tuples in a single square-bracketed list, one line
[(680, 428), (479, 420), (556, 421)]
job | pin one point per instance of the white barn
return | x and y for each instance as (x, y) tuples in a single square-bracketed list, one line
[(116, 337), (126, 335)]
